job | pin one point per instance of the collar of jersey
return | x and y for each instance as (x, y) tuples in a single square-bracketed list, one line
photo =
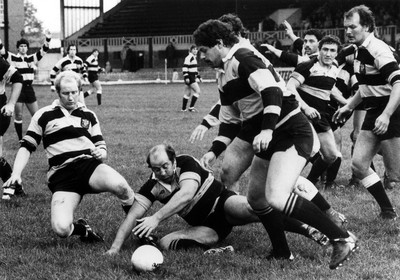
[(368, 40), (231, 52)]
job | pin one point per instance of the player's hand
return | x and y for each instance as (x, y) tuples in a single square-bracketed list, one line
[(12, 180), (8, 110), (47, 33), (98, 153), (187, 81), (312, 113), (381, 124), (145, 226), (111, 252), (261, 141), (340, 116), (52, 88), (198, 133), (268, 46), (288, 27), (208, 160)]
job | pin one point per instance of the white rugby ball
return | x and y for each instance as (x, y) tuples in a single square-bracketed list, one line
[(147, 258)]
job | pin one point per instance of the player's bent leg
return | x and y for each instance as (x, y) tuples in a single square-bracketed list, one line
[(391, 157), (366, 147), (32, 107), (283, 172), (198, 236), (107, 179), (63, 205), (238, 211), (237, 159)]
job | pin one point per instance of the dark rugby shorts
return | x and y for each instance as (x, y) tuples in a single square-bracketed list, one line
[(4, 120), (93, 76), (192, 79), (297, 132), (27, 95), (216, 220), (74, 177), (393, 130)]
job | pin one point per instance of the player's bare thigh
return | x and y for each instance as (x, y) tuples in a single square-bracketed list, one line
[(201, 234)]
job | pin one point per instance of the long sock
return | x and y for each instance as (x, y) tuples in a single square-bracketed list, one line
[(314, 158), (87, 93), (317, 169), (79, 230), (375, 187), (307, 212), (186, 244), (272, 221), (293, 225), (184, 103), (321, 202), (193, 101), (5, 169), (98, 98), (333, 170), (18, 128)]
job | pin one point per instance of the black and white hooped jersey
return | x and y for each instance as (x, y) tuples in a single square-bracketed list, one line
[(66, 63), (376, 69), (187, 168), (66, 136), (190, 65), (315, 79), (8, 74), (92, 64)]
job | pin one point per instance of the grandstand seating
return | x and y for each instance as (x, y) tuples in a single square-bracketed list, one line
[(156, 18)]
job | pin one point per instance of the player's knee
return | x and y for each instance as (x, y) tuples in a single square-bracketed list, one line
[(17, 116), (122, 190), (359, 169), (164, 243), (62, 228)]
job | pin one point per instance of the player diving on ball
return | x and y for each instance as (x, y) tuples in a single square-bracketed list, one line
[(189, 190)]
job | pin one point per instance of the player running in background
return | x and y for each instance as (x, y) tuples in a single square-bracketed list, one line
[(26, 65), (69, 62), (191, 78), (93, 69)]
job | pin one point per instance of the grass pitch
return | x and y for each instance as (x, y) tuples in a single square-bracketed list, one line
[(134, 118)]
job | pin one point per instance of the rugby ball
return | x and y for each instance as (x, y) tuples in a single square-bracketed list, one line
[(147, 258)]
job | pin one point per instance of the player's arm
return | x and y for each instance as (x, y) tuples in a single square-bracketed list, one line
[(136, 212), (45, 48), (178, 201), (210, 120), (338, 96), (15, 78), (3, 52), (53, 74), (21, 160), (227, 132), (289, 31), (273, 50), (342, 113)]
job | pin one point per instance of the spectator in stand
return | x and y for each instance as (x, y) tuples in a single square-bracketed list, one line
[(170, 54)]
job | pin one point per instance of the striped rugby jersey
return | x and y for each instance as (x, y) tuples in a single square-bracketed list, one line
[(190, 66), (315, 79), (376, 69), (346, 81), (250, 86), (66, 136), (187, 168), (8, 74), (66, 63), (26, 64), (92, 64)]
